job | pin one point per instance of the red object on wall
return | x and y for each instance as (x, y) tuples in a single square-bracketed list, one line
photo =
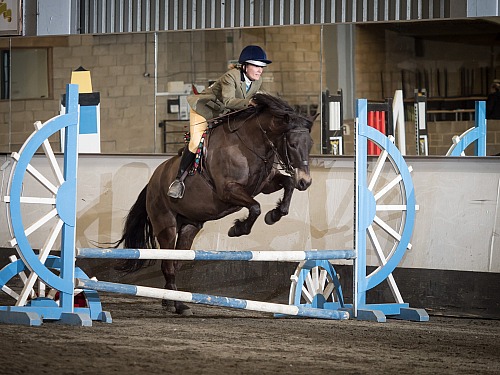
[(376, 119)]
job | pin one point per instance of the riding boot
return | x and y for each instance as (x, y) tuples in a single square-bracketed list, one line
[(176, 189)]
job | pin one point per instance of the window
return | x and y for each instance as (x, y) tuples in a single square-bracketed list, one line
[(24, 73)]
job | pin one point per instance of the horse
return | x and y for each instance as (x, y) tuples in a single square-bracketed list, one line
[(240, 161)]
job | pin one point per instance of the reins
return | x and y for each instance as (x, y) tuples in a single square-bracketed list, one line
[(285, 165), (285, 162), (218, 119)]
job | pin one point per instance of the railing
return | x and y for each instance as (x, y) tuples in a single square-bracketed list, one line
[(116, 16), (172, 137)]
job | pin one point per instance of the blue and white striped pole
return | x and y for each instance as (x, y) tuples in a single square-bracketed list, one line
[(168, 254), (206, 299)]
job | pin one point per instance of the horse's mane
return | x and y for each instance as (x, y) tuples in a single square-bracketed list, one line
[(277, 107)]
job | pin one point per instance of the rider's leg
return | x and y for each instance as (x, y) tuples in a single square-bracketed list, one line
[(176, 189), (197, 126)]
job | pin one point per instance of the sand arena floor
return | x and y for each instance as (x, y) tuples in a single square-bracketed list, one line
[(145, 339)]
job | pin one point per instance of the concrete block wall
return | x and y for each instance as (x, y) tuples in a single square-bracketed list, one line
[(122, 69), (294, 75), (117, 65), (441, 134), (17, 116), (370, 62)]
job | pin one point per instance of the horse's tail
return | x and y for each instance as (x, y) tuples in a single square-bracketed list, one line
[(137, 232)]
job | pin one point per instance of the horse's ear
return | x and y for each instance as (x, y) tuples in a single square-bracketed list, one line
[(314, 117)]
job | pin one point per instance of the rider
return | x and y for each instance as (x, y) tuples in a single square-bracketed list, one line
[(232, 91)]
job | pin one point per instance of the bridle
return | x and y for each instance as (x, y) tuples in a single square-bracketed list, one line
[(284, 161), (288, 163)]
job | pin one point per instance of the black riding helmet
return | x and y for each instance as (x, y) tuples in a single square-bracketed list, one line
[(254, 55)]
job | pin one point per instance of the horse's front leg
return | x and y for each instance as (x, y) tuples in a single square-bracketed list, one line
[(278, 182), (235, 194)]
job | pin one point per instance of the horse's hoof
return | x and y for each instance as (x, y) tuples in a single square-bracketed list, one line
[(272, 217), (168, 306), (269, 220), (183, 310), (239, 229), (232, 232)]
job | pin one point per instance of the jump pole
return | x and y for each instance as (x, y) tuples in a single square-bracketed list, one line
[(35, 311), (365, 207), (206, 299), (269, 256), (262, 256)]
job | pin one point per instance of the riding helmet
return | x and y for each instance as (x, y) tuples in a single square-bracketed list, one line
[(254, 55)]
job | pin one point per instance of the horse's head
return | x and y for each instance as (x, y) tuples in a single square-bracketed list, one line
[(295, 148), (291, 134)]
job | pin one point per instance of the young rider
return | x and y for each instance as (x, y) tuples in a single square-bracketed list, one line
[(233, 91)]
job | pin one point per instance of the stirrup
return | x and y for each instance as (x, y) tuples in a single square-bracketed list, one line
[(176, 189)]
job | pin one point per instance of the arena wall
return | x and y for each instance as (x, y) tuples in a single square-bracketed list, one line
[(455, 253), (456, 226)]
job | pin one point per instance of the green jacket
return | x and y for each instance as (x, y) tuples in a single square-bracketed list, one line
[(226, 94)]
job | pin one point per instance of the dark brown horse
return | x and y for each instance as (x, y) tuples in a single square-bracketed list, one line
[(241, 162)]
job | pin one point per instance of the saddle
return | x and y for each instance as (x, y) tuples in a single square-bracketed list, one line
[(199, 161)]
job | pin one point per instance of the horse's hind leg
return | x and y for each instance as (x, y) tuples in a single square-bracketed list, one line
[(170, 267), (166, 239)]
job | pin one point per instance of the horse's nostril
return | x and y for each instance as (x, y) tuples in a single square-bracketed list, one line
[(303, 184)]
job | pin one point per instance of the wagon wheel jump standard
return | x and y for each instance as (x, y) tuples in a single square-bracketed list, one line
[(475, 136), (42, 284), (384, 216)]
